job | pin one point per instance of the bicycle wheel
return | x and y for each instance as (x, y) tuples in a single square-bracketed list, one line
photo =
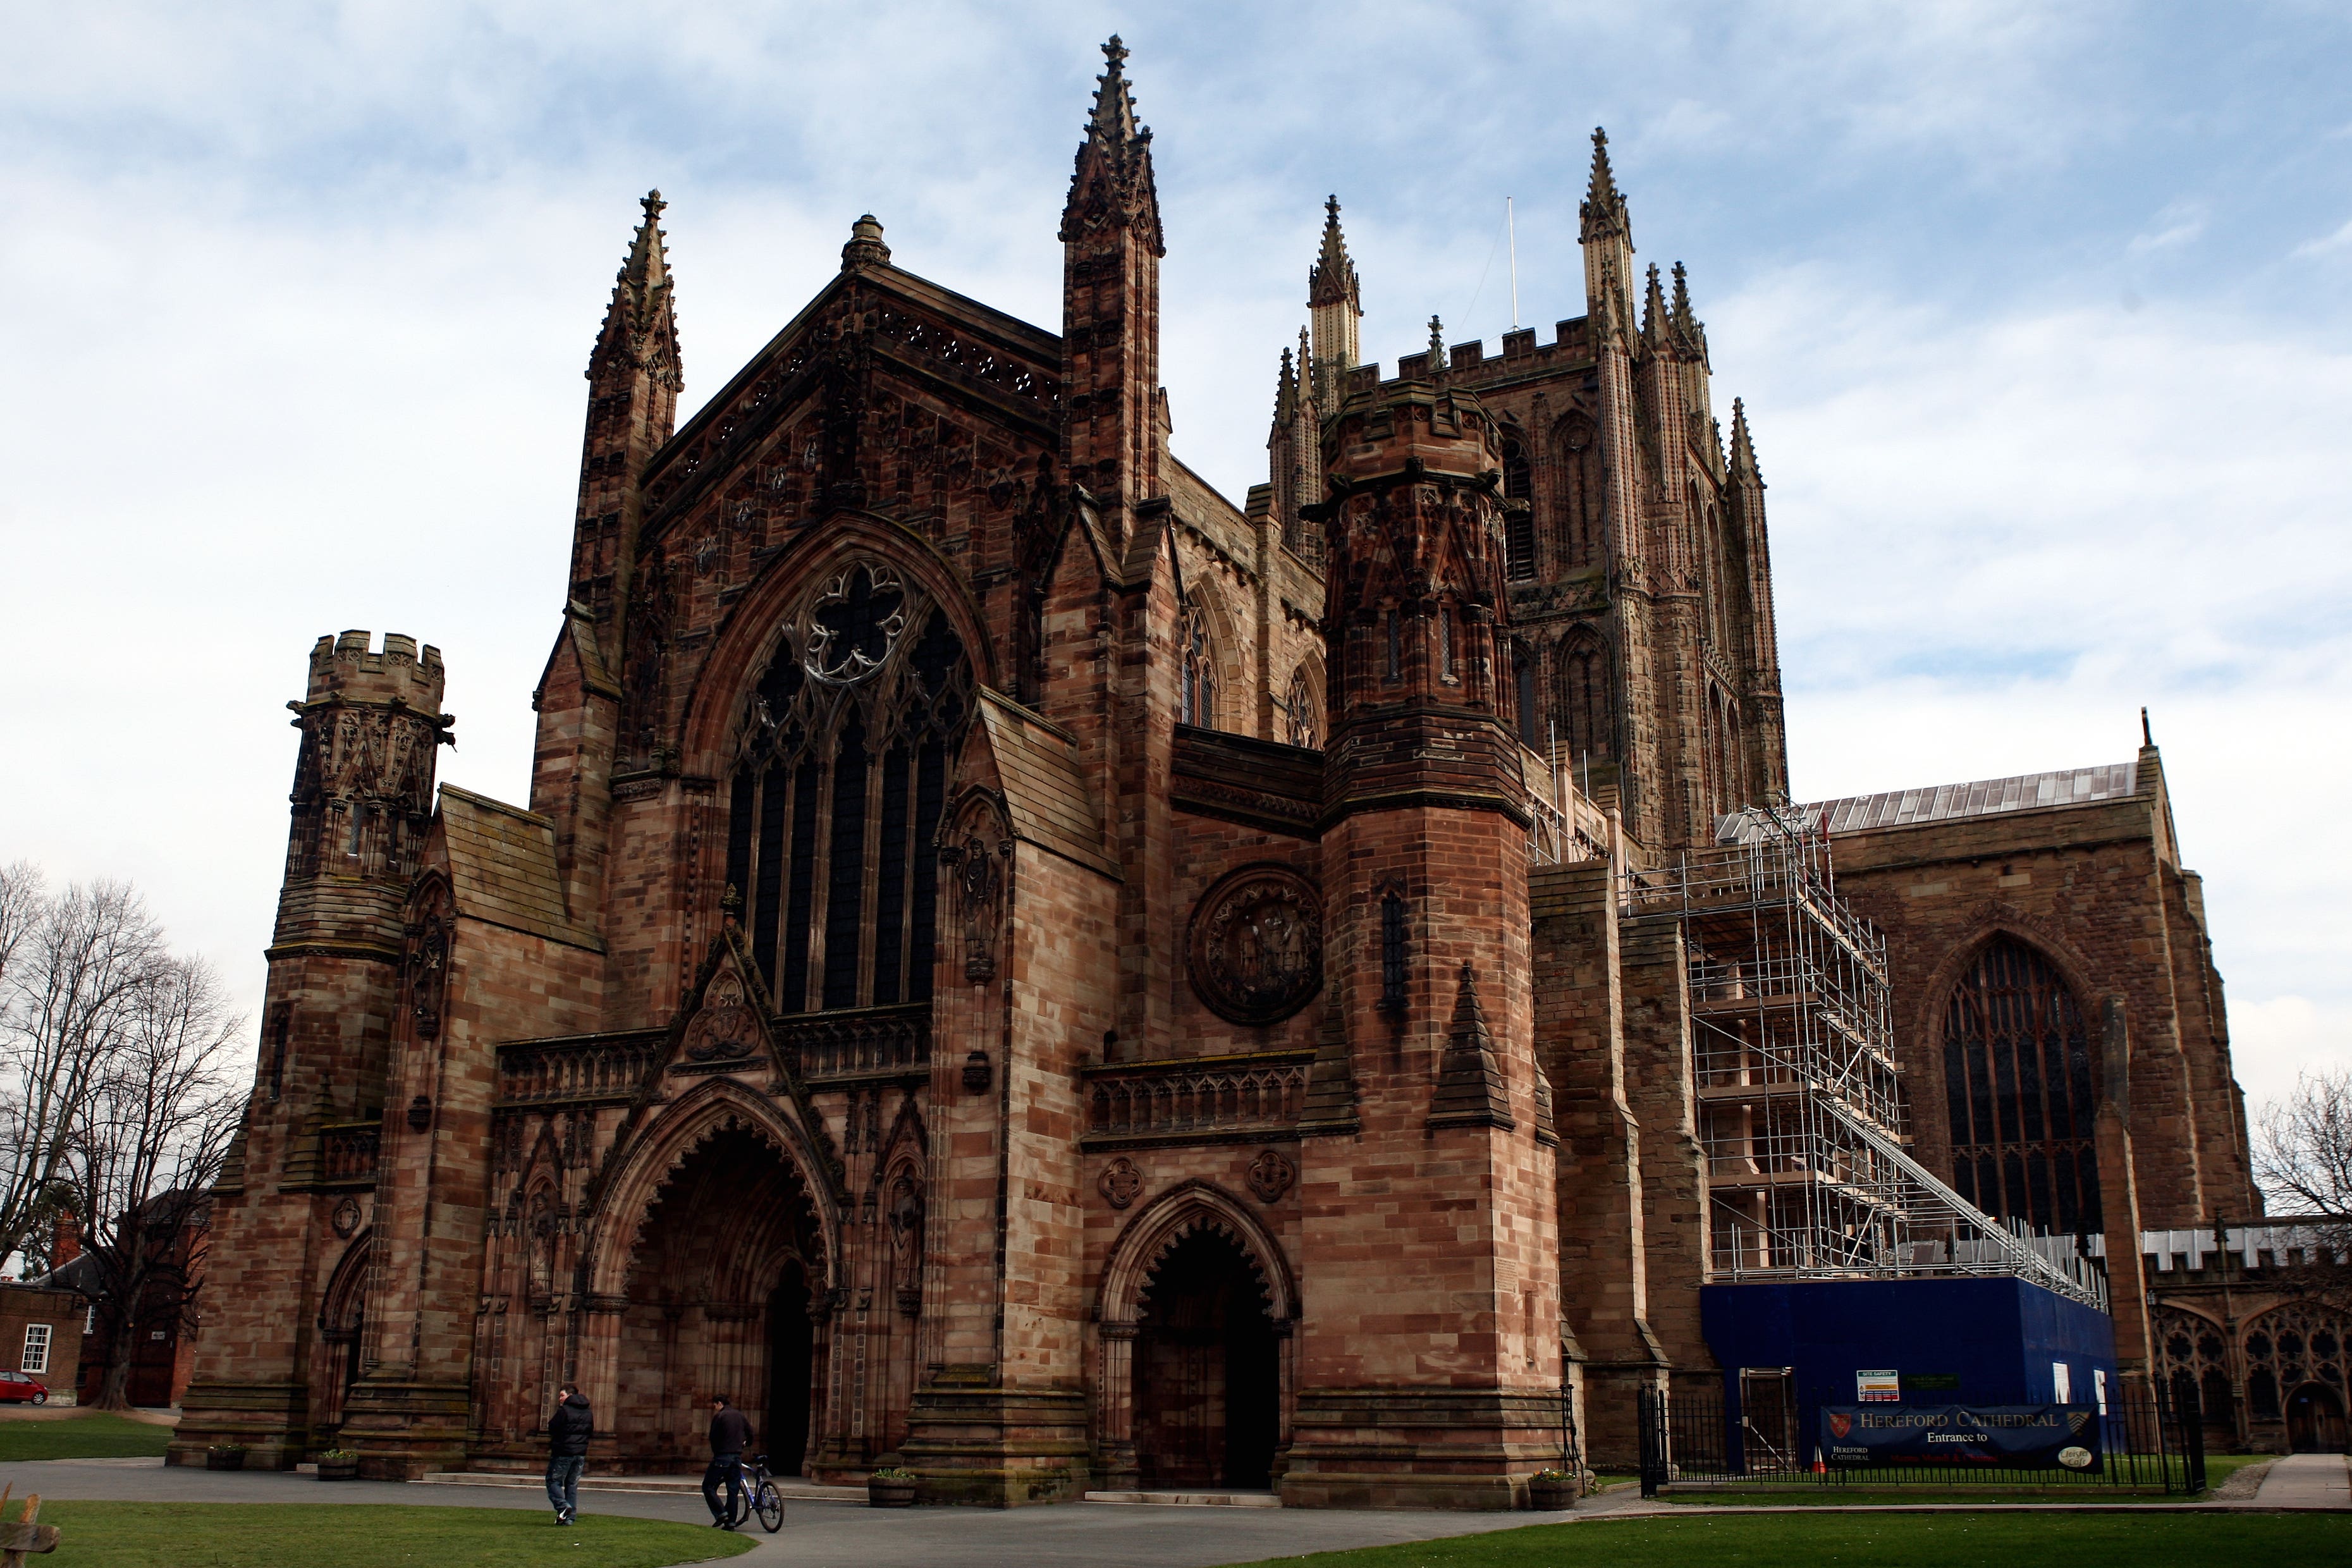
[(769, 1502)]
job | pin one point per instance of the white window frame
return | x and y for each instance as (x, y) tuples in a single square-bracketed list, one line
[(36, 1347)]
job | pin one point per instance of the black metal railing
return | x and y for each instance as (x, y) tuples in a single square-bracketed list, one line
[(2150, 1440)]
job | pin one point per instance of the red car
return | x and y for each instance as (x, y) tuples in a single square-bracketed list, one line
[(18, 1387)]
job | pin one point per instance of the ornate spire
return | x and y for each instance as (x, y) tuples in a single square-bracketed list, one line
[(1332, 280), (1113, 121), (1436, 346), (1603, 211), (1112, 185), (1654, 308), (1743, 448), (640, 330), (1688, 329), (864, 247), (1286, 391), (1335, 301)]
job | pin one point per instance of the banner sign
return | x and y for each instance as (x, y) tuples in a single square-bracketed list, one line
[(2006, 1436)]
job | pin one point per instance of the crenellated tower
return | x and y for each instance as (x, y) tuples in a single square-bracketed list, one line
[(362, 806)]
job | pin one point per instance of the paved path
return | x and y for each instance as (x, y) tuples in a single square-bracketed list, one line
[(2306, 1480), (835, 1534)]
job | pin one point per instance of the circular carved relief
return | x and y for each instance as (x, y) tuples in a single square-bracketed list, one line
[(1257, 946), (1271, 1175), (1119, 1181), (347, 1218)]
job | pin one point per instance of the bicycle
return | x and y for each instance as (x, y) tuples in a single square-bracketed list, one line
[(758, 1494)]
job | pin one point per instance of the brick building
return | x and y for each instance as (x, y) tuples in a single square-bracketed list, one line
[(1016, 962)]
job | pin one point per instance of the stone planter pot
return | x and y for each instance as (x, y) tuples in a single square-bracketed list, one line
[(338, 1469), (890, 1494), (1549, 1493), (224, 1458)]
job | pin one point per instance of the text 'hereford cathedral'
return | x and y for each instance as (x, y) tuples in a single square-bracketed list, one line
[(1017, 966)]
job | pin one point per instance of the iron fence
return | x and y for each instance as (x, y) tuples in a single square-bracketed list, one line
[(2151, 1440)]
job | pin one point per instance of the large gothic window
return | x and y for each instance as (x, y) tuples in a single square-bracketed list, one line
[(1585, 726), (1582, 490), (841, 775), (1302, 711), (1519, 521), (2017, 1082), (1196, 694)]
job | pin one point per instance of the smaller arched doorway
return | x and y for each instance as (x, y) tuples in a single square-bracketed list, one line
[(2315, 1420), (1207, 1379)]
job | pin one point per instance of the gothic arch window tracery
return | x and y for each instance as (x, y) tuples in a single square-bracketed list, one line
[(841, 778), (1586, 722), (2019, 1088), (1581, 492), (1518, 522), (1196, 690), (1302, 710)]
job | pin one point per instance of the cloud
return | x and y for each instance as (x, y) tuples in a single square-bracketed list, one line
[(2339, 238), (2176, 224)]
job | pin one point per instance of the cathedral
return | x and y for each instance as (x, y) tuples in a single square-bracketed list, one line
[(1015, 965)]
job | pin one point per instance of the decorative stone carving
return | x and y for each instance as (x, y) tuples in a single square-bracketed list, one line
[(725, 1030), (979, 886), (1271, 1176), (1255, 950), (346, 1219), (1119, 1182)]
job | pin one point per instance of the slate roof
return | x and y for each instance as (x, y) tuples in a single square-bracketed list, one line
[(1986, 797), (1046, 797), (502, 868)]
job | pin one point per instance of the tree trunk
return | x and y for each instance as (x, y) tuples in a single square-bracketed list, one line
[(114, 1391)]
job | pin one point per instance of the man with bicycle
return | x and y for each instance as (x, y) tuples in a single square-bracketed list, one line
[(730, 1434)]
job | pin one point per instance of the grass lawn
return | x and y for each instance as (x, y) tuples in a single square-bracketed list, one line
[(1877, 1540), (91, 1437), (363, 1535)]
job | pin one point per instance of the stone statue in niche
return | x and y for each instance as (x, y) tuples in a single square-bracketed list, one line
[(980, 883), (1256, 947), (907, 1241), (725, 1029)]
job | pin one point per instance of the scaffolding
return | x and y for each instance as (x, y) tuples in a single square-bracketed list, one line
[(1798, 1100)]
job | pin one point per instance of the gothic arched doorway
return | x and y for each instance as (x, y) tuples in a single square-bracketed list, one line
[(1207, 1382), (2315, 1420), (718, 1286)]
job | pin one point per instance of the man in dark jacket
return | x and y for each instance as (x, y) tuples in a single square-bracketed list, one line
[(730, 1434), (567, 1451)]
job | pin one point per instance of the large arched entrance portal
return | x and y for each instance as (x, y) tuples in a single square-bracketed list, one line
[(2315, 1420), (719, 1299), (1207, 1379)]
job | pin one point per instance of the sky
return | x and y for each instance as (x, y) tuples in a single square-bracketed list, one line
[(2043, 315)]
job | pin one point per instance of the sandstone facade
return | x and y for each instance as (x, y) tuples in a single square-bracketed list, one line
[(1015, 964)]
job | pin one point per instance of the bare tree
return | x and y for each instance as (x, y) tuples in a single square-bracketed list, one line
[(76, 971), (166, 1104), (2303, 1160)]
